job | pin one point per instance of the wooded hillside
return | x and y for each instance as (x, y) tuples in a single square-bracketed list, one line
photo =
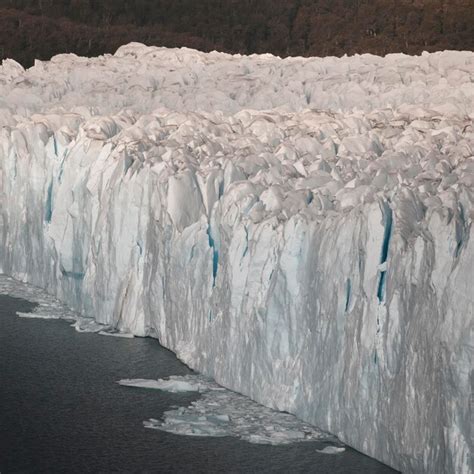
[(41, 28)]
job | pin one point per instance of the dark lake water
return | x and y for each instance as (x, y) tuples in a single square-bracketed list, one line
[(62, 411)]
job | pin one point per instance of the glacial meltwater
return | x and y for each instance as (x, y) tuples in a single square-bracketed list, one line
[(61, 410)]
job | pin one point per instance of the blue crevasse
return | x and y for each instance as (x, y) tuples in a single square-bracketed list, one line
[(388, 222), (215, 256), (348, 294)]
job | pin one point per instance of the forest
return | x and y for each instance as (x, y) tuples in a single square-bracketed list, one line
[(39, 29)]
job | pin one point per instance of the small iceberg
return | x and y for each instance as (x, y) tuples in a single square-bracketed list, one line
[(332, 450), (37, 315), (173, 385)]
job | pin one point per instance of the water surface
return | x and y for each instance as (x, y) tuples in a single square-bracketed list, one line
[(61, 410)]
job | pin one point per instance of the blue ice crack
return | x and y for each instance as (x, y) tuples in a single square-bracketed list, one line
[(215, 256), (388, 222)]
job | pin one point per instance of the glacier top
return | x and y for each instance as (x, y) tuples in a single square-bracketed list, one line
[(278, 137)]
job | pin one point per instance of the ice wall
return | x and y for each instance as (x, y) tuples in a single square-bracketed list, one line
[(298, 229)]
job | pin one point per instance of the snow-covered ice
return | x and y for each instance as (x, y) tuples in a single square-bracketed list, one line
[(221, 412), (299, 229)]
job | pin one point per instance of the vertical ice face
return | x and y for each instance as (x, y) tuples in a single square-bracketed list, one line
[(298, 229)]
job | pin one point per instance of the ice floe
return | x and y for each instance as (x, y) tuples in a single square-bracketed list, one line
[(221, 412)]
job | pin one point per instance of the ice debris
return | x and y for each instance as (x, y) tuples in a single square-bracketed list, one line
[(115, 333), (221, 412), (49, 307), (175, 384)]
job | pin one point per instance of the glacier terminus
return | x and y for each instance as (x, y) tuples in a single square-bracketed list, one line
[(298, 229)]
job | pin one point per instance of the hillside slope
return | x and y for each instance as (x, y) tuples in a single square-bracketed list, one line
[(32, 29)]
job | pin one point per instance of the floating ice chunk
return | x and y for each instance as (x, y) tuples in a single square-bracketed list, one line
[(171, 385), (331, 450), (88, 325), (47, 307), (37, 315), (221, 412), (126, 335), (225, 418)]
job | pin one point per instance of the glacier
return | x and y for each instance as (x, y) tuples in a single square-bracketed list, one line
[(297, 229)]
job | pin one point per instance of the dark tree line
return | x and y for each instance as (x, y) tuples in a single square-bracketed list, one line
[(41, 28)]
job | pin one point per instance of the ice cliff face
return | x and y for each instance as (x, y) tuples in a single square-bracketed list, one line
[(298, 229)]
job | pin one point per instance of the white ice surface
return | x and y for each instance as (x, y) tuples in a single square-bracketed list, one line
[(300, 230)]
